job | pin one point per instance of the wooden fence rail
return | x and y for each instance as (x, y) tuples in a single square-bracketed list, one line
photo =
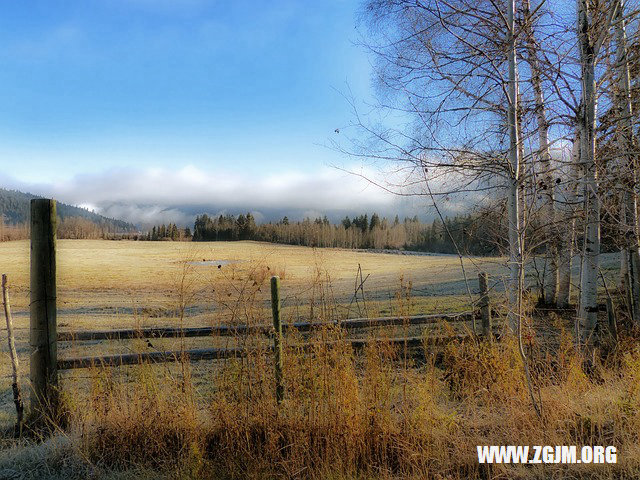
[(150, 357), (264, 329), (236, 352)]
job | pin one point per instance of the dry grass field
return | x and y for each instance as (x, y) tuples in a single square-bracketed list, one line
[(112, 274), (347, 416)]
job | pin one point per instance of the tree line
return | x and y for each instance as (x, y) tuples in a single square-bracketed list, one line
[(15, 210), (472, 234), (164, 232), (67, 228)]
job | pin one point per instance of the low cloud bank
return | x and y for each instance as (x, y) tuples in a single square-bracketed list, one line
[(148, 196)]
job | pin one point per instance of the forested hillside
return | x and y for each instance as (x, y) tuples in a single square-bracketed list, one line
[(75, 222)]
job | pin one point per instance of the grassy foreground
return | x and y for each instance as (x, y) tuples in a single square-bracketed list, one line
[(387, 413), (379, 415)]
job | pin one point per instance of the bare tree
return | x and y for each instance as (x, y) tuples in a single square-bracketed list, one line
[(630, 255), (591, 35), (568, 217), (552, 236), (515, 286), (452, 65)]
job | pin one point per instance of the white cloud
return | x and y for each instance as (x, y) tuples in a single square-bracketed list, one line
[(145, 214), (154, 195), (159, 194), (326, 189)]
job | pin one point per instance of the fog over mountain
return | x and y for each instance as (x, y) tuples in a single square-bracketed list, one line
[(157, 195)]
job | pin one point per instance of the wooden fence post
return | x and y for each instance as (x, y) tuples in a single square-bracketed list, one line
[(277, 338), (613, 323), (17, 394), (43, 337), (485, 309)]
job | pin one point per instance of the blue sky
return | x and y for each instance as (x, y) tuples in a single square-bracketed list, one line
[(134, 107), (96, 84), (151, 110)]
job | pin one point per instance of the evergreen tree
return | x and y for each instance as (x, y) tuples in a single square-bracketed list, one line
[(375, 221)]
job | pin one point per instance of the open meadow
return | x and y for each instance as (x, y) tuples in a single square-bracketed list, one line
[(115, 276), (124, 284)]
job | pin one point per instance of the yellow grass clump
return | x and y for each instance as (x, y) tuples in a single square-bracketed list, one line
[(373, 415)]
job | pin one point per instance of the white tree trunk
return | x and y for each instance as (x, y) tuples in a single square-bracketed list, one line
[(586, 122), (567, 240), (513, 205), (624, 253), (548, 210)]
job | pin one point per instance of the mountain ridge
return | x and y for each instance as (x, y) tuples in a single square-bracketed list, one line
[(15, 209)]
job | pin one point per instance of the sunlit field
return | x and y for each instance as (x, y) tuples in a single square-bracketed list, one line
[(111, 274), (124, 284), (108, 284)]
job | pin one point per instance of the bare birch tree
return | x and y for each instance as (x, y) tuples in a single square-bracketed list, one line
[(453, 64), (568, 217), (590, 38), (543, 156), (452, 67), (514, 288)]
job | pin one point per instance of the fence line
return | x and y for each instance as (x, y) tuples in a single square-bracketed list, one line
[(264, 329), (237, 352)]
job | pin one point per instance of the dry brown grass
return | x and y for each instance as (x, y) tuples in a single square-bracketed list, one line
[(124, 284), (107, 273), (379, 414), (369, 416), (375, 415)]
